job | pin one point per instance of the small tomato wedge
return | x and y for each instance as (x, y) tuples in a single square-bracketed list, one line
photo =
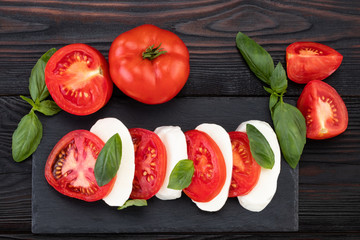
[(70, 166), (324, 110), (308, 61), (78, 79), (150, 163), (210, 170), (149, 64), (246, 171)]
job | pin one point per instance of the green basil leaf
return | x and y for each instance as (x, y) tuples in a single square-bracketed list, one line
[(108, 161), (133, 202), (37, 84), (260, 147), (181, 175), (48, 107), (26, 137), (269, 90), (272, 102), (290, 128), (28, 100), (257, 58), (278, 80)]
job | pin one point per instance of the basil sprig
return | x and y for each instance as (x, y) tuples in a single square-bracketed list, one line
[(181, 175), (288, 121), (133, 202), (108, 161), (260, 147), (28, 133)]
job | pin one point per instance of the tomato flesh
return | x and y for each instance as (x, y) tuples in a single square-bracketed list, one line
[(210, 169), (150, 163), (70, 166), (308, 61), (246, 170), (78, 79), (150, 81), (324, 110)]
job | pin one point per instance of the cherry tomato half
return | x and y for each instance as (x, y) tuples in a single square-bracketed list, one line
[(308, 61), (78, 79), (149, 64), (324, 110), (210, 170), (246, 171), (150, 163), (70, 166)]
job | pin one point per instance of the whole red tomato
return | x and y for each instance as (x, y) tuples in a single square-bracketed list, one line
[(149, 64)]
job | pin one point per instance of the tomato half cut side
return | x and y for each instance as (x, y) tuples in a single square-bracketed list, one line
[(246, 171), (210, 169), (70, 166), (78, 79), (150, 163), (308, 61), (324, 110)]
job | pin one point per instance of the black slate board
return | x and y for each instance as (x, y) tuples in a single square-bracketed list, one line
[(55, 213)]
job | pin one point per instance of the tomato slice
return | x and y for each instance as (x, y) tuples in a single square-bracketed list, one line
[(70, 166), (210, 170), (324, 110), (78, 79), (308, 61), (246, 171), (150, 163)]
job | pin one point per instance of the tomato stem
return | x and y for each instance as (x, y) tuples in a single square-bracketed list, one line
[(151, 53)]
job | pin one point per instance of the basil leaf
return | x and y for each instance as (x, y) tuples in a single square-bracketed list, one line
[(272, 102), (26, 137), (290, 129), (258, 59), (48, 107), (260, 147), (181, 175), (28, 100), (278, 80), (37, 84), (133, 202), (108, 161)]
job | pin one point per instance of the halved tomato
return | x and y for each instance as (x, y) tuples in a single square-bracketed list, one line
[(150, 163), (246, 170), (78, 79), (308, 61), (70, 166), (324, 110), (210, 170)]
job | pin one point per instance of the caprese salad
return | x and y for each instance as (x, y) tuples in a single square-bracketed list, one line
[(221, 165)]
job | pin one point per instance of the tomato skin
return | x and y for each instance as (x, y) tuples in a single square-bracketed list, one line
[(210, 169), (69, 168), (150, 163), (246, 171), (78, 79), (324, 110), (149, 81), (308, 61)]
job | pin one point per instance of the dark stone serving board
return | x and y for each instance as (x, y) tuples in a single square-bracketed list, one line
[(54, 213)]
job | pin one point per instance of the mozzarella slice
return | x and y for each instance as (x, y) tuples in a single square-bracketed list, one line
[(105, 129), (176, 150), (258, 198), (222, 139)]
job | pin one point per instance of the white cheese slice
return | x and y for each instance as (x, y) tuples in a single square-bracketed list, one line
[(105, 129), (176, 150), (261, 195)]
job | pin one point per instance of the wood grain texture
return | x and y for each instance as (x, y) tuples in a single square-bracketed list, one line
[(329, 184), (207, 27)]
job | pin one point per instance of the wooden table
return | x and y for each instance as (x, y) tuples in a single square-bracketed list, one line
[(329, 195)]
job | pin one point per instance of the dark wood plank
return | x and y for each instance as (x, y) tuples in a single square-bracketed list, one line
[(207, 27)]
